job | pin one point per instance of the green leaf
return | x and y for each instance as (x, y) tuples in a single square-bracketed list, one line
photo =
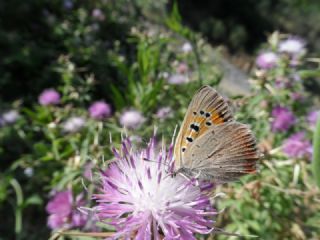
[(33, 200), (316, 154)]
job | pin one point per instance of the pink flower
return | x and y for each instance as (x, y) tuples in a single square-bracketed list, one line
[(164, 112), (49, 97), (63, 211), (9, 117), (132, 119), (177, 79), (293, 46), (182, 68), (73, 124), (267, 60), (98, 14), (138, 196), (312, 118), (186, 47), (297, 146), (100, 110), (283, 119)]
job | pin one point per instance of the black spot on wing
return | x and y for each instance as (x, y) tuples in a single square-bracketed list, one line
[(189, 139), (195, 127)]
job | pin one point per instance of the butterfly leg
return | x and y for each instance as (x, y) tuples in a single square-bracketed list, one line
[(196, 177)]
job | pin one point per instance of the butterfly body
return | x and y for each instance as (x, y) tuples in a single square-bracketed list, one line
[(210, 144)]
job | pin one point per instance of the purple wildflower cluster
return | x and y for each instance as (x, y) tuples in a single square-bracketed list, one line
[(312, 118), (283, 119), (298, 146), (49, 97), (73, 124), (164, 113), (293, 46), (9, 117), (100, 110), (132, 119), (267, 60), (63, 212), (140, 198)]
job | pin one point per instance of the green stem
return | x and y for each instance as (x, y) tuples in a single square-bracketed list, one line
[(198, 60), (316, 154), (18, 211)]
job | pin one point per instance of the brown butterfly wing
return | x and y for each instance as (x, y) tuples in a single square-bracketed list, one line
[(224, 153), (207, 108)]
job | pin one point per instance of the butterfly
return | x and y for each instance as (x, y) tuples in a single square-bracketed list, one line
[(211, 145)]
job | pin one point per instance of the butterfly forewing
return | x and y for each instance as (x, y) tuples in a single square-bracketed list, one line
[(224, 153), (206, 109)]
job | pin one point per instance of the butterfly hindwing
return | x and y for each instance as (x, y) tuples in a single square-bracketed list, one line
[(224, 153), (207, 108)]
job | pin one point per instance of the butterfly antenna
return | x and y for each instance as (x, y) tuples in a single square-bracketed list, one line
[(148, 160)]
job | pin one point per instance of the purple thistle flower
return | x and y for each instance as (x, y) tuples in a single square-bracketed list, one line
[(293, 46), (49, 97), (98, 14), (297, 96), (312, 118), (177, 79), (297, 146), (182, 68), (267, 60), (9, 117), (186, 47), (73, 124), (100, 110), (63, 211), (283, 119), (68, 4), (132, 119), (164, 112), (139, 196)]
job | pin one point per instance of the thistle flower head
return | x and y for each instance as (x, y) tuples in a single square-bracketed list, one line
[(186, 47), (49, 97), (100, 110), (177, 79), (312, 118), (267, 60), (283, 119), (73, 124), (298, 146), (164, 113), (293, 46), (139, 197), (9, 117), (63, 211), (132, 119)]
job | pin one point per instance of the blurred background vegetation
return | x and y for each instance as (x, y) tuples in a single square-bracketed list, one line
[(127, 53)]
